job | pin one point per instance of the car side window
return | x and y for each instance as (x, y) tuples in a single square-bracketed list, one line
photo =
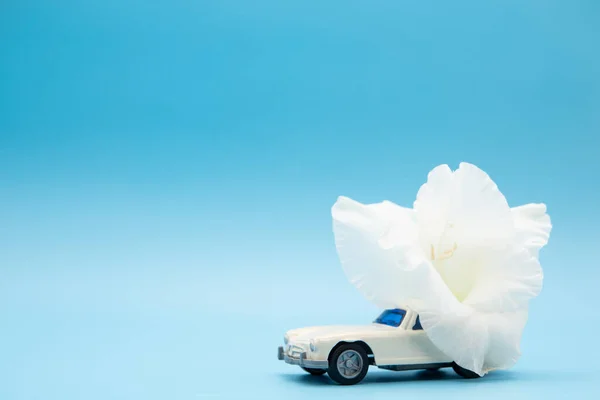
[(417, 325)]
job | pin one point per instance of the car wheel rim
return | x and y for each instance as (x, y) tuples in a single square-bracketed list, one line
[(349, 364)]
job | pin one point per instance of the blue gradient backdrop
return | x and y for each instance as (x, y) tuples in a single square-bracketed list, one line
[(167, 170)]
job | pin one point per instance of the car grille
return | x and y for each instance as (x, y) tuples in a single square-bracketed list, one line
[(295, 351)]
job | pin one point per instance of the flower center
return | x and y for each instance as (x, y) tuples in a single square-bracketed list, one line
[(443, 256), (458, 270)]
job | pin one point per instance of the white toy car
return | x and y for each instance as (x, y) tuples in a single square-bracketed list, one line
[(394, 341)]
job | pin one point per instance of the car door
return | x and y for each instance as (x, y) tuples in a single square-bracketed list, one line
[(389, 340), (419, 349), (407, 344)]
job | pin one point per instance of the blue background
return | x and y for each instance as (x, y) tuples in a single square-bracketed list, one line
[(167, 170)]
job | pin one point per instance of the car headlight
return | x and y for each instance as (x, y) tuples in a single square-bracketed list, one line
[(313, 346), (286, 339)]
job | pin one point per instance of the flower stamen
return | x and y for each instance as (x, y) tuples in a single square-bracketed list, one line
[(445, 255), (449, 253)]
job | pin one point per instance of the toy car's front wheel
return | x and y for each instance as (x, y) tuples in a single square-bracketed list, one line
[(314, 371), (465, 373), (348, 364)]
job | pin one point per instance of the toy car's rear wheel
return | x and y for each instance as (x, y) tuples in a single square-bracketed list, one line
[(315, 371), (348, 364), (465, 373)]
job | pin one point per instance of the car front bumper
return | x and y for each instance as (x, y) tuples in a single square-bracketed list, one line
[(301, 361)]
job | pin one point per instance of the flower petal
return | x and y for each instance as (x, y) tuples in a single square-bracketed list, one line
[(478, 341), (459, 334), (465, 207), (432, 205), (461, 215), (507, 280), (532, 226), (377, 247), (505, 331)]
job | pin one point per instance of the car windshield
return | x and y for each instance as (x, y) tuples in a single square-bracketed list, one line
[(391, 317)]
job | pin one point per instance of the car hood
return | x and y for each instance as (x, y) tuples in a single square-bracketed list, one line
[(337, 331)]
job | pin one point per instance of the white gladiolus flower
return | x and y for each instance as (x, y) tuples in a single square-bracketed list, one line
[(461, 258)]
